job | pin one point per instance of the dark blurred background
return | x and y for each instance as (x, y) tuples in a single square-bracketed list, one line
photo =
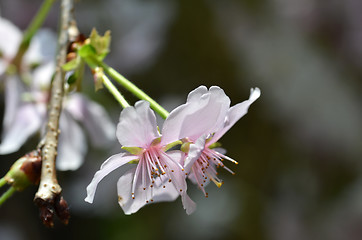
[(299, 148)]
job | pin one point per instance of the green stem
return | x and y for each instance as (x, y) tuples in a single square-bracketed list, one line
[(112, 89), (2, 182), (132, 88), (7, 195), (32, 29)]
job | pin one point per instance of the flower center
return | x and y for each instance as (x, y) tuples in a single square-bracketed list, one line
[(155, 169)]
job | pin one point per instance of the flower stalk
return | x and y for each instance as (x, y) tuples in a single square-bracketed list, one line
[(114, 91), (131, 87), (2, 181), (7, 195)]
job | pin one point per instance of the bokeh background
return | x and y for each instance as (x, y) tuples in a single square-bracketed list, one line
[(299, 148)]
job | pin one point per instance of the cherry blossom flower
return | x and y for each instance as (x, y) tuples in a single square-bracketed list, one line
[(205, 118), (158, 175), (25, 104)]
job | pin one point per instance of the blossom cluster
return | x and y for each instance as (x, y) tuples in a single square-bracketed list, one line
[(27, 96), (160, 172)]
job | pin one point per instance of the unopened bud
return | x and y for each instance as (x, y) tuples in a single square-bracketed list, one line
[(98, 78), (62, 209), (25, 171)]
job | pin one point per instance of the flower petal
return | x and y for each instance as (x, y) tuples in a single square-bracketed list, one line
[(177, 177), (9, 42), (167, 194), (162, 192), (189, 205), (13, 91), (235, 113), (42, 77), (196, 94), (203, 113), (124, 190), (72, 144), (194, 153), (42, 47), (137, 126), (108, 166), (96, 120), (27, 121)]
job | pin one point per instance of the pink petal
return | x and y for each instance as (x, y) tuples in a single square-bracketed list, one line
[(137, 126), (72, 144), (94, 117), (108, 166), (27, 121), (235, 113), (203, 113), (194, 153)]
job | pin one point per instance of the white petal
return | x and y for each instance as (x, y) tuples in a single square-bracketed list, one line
[(13, 91), (167, 194), (202, 114), (124, 190), (27, 121), (72, 144), (42, 76), (130, 205), (189, 205), (194, 153), (99, 125), (108, 166), (177, 177), (42, 47), (9, 42), (137, 126), (235, 113), (196, 94)]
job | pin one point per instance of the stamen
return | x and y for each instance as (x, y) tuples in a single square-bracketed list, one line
[(135, 177)]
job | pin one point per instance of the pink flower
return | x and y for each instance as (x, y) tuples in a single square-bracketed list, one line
[(205, 118), (158, 175)]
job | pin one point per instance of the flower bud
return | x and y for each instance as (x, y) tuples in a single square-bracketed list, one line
[(25, 171)]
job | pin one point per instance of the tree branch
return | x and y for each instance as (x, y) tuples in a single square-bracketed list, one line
[(48, 197)]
